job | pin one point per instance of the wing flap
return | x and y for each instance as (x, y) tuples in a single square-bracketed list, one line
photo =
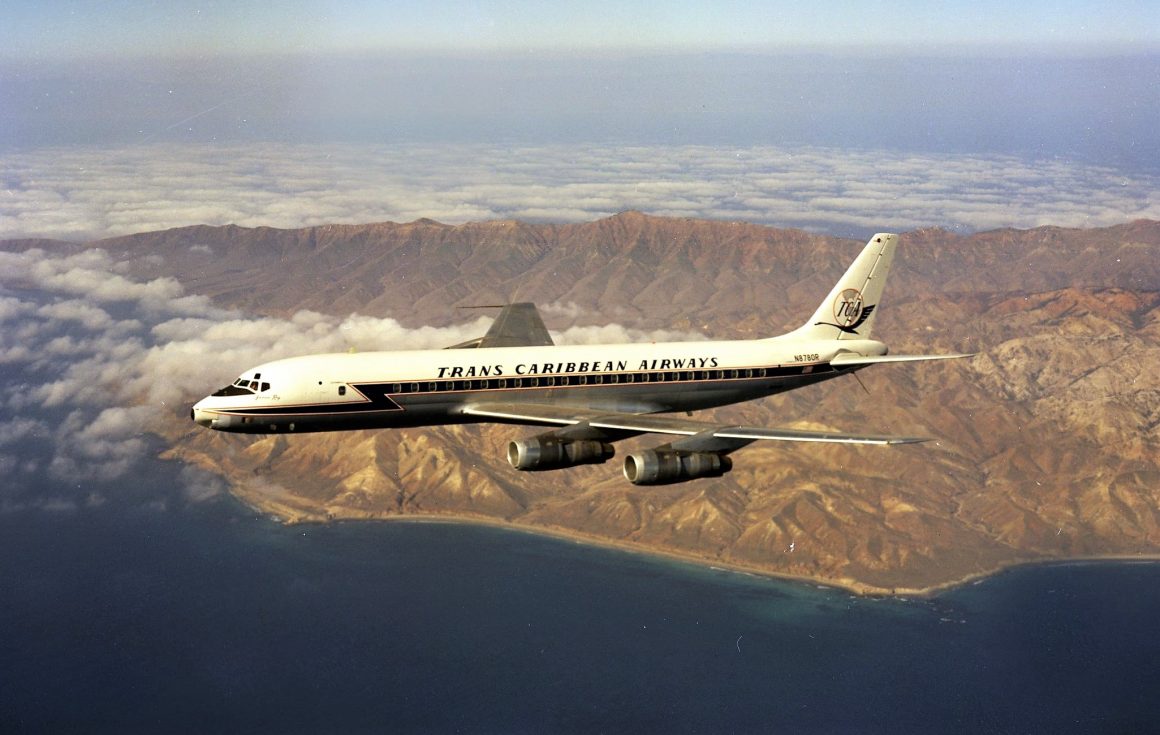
[(799, 435), (525, 413)]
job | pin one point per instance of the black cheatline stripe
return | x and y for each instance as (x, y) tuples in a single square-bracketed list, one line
[(572, 380), (379, 399)]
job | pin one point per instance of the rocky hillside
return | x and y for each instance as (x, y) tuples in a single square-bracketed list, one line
[(1048, 439)]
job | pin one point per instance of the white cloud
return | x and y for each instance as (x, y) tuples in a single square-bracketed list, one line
[(83, 193), (14, 430), (83, 386), (101, 447)]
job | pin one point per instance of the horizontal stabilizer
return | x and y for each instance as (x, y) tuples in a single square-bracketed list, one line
[(847, 359)]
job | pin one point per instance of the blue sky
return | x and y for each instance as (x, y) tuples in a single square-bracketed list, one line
[(55, 29)]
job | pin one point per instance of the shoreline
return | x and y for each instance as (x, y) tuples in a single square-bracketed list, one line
[(854, 587)]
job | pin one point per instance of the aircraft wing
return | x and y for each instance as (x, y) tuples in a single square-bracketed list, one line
[(699, 435), (518, 325)]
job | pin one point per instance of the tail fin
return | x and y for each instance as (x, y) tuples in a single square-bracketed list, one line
[(849, 311)]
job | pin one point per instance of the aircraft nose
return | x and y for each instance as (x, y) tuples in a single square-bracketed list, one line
[(200, 417)]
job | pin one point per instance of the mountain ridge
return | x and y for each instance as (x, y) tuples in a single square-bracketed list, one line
[(1046, 441)]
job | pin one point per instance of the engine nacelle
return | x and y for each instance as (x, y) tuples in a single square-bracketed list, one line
[(540, 453), (661, 466)]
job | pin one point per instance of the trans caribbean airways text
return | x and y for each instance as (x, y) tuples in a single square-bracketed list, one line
[(596, 366)]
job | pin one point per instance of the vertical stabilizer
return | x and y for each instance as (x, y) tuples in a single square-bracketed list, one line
[(849, 311)]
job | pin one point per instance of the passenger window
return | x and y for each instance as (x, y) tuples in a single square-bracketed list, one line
[(342, 390)]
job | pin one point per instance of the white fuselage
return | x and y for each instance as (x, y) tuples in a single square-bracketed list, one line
[(428, 387)]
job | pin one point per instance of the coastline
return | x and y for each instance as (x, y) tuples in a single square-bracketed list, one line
[(296, 516)]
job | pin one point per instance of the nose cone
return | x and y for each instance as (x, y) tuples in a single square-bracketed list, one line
[(200, 416)]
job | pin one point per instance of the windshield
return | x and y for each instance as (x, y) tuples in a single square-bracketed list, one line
[(242, 387)]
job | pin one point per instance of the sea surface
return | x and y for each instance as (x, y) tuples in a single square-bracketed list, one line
[(208, 618)]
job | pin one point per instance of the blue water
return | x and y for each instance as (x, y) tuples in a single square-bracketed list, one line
[(209, 619)]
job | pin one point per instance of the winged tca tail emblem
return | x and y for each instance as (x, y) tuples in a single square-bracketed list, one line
[(852, 328)]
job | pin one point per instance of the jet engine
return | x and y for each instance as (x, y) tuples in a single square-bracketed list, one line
[(662, 466), (550, 453)]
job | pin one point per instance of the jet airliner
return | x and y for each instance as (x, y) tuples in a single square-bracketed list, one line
[(589, 395)]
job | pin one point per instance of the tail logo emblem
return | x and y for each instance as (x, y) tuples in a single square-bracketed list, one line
[(849, 313)]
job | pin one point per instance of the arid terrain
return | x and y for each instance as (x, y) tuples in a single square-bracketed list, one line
[(1047, 441)]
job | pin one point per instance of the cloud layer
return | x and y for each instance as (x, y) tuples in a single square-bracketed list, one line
[(92, 363), (88, 193)]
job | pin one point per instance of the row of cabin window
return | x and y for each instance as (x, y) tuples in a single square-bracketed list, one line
[(550, 381)]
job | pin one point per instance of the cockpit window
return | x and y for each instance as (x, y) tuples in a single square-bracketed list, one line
[(234, 390), (244, 387)]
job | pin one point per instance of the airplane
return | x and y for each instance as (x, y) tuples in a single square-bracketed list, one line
[(591, 395)]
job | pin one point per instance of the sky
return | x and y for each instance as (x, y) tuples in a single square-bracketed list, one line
[(56, 29), (842, 117)]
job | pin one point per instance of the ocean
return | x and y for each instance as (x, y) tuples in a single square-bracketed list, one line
[(209, 618)]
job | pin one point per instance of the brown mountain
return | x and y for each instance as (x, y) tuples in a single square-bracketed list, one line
[(1049, 437)]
